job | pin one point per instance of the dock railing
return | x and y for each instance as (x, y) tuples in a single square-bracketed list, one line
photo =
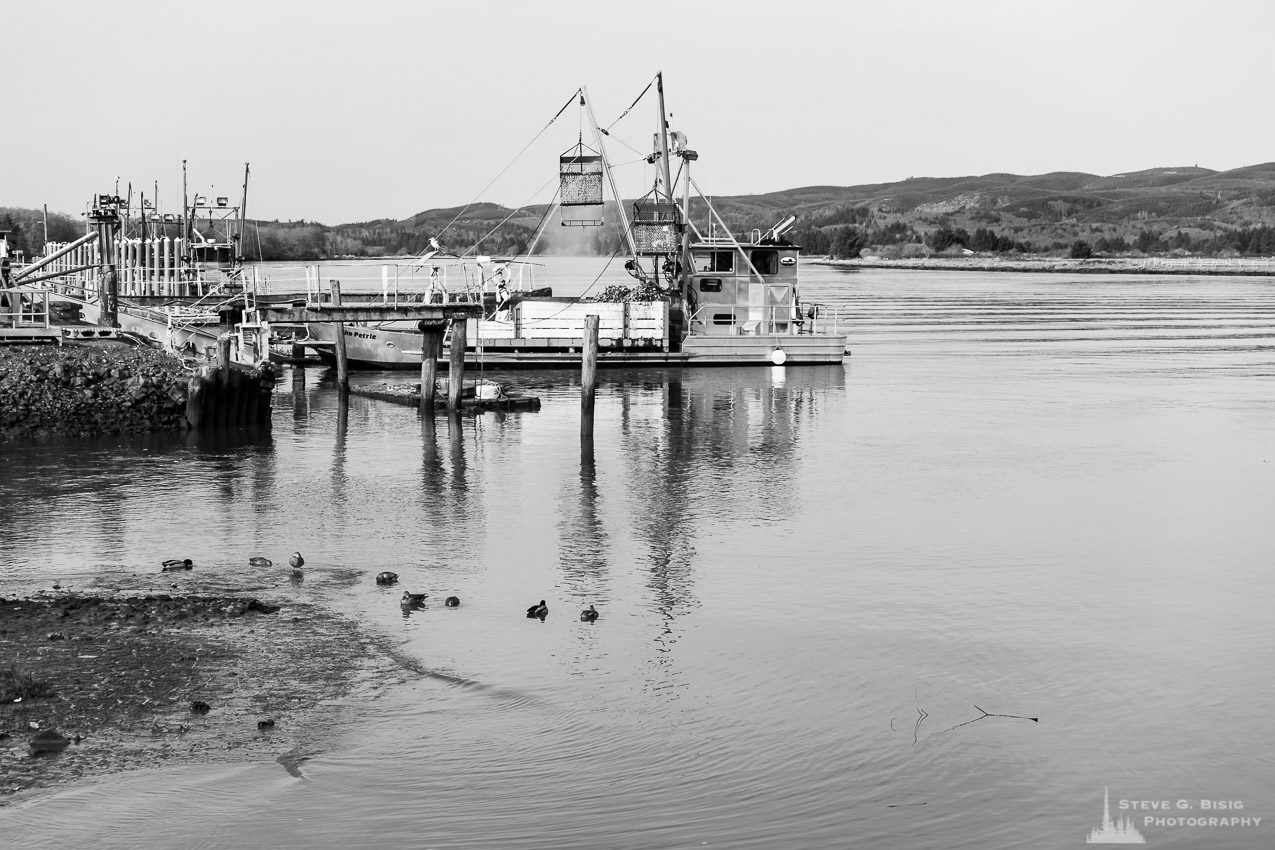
[(24, 307)]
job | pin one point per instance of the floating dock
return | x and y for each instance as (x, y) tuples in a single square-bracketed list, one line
[(410, 396)]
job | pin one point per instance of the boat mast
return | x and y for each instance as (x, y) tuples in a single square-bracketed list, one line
[(663, 137), (243, 216), (606, 167), (185, 221)]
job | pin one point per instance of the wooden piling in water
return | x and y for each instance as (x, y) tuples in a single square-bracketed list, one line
[(342, 358), (588, 374), (195, 399), (456, 367), (431, 347), (229, 398), (223, 351)]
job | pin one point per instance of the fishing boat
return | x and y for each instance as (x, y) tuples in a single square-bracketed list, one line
[(701, 295), (176, 281)]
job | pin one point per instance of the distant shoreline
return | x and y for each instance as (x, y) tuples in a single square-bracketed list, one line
[(1252, 266)]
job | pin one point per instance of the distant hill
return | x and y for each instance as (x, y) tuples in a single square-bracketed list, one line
[(1184, 209)]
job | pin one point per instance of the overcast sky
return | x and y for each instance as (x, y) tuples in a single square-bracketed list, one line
[(375, 109)]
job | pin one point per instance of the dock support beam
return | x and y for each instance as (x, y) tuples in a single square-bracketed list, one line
[(431, 347), (342, 358), (588, 374), (456, 366)]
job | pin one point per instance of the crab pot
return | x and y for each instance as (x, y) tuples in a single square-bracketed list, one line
[(581, 181)]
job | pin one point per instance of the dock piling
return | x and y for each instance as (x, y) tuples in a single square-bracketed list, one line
[(342, 358), (456, 367), (431, 346), (223, 351), (589, 374)]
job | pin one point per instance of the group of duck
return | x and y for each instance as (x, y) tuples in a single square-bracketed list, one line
[(409, 600), (413, 600), (538, 611)]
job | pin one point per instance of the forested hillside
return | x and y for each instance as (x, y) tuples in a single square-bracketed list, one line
[(1187, 210)]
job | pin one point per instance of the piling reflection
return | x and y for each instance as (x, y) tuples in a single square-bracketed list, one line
[(726, 444), (582, 538), (300, 401), (340, 480)]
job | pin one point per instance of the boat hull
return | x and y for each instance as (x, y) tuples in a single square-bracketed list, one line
[(386, 348)]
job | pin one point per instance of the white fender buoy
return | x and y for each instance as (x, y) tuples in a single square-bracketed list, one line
[(778, 357)]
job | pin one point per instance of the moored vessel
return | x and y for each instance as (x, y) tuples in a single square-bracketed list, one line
[(701, 295)]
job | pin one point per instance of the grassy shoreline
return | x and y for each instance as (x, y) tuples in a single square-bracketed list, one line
[(1255, 267)]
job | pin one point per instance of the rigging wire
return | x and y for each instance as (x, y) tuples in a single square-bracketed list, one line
[(513, 213), (511, 162), (607, 131)]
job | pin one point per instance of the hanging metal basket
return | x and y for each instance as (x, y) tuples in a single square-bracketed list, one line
[(580, 173), (657, 227)]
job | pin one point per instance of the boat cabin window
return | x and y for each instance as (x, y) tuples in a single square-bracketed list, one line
[(716, 261), (710, 284), (766, 262), (723, 318)]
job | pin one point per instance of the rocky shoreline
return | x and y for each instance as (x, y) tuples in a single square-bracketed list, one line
[(85, 391), (95, 683)]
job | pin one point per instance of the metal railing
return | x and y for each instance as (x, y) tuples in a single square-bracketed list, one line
[(776, 319), (23, 307)]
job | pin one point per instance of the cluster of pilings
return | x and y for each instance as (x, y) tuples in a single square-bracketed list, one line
[(229, 395), (144, 266)]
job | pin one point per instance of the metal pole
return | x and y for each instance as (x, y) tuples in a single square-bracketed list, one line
[(664, 164), (58, 254)]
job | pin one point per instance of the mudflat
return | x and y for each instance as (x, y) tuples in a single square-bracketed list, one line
[(139, 679)]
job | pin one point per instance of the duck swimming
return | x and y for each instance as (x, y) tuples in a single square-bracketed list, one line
[(410, 599), (452, 602), (386, 578), (296, 561), (589, 615), (261, 562), (539, 611), (173, 564)]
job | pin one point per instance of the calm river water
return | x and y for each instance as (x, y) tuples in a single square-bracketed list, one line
[(821, 589)]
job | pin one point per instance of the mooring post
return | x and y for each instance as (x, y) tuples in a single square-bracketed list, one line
[(431, 346), (342, 358), (589, 374), (263, 340), (456, 366), (195, 396), (223, 351)]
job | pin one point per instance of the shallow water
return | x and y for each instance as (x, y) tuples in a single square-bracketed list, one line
[(1034, 495)]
